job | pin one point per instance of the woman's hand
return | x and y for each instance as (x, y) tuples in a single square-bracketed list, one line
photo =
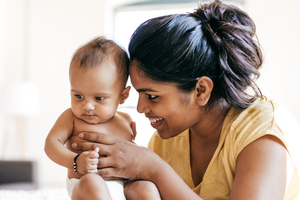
[(127, 160), (121, 159)]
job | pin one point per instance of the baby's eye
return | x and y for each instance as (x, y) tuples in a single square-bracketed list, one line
[(78, 96), (99, 98), (152, 96)]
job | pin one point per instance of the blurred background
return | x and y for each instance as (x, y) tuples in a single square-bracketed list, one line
[(39, 37)]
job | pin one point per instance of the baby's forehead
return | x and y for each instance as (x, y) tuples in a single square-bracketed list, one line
[(104, 74)]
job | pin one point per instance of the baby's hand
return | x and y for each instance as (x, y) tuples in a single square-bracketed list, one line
[(87, 161)]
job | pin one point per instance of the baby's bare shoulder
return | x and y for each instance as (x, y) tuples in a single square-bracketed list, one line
[(123, 116), (66, 118), (68, 113), (122, 127)]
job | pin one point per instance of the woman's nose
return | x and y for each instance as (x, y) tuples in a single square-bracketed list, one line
[(89, 106), (142, 106)]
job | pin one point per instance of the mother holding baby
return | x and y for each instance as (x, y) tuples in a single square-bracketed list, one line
[(215, 138)]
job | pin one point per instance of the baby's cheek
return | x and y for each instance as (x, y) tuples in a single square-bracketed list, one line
[(108, 113), (76, 111)]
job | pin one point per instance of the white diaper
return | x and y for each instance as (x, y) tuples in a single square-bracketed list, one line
[(116, 188)]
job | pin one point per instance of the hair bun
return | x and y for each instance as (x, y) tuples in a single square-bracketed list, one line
[(230, 31), (217, 15)]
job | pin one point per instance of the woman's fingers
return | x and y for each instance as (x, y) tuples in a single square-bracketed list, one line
[(93, 141), (97, 137), (105, 162), (86, 146), (108, 173), (133, 128)]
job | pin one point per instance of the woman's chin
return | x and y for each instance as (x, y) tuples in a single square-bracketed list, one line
[(167, 134), (163, 134)]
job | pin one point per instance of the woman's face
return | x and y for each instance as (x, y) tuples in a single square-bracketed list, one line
[(169, 110)]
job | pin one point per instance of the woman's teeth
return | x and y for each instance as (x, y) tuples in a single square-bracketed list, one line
[(155, 120)]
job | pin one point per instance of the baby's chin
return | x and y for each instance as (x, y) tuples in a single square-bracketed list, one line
[(94, 121)]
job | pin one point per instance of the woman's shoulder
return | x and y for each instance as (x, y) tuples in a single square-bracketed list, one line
[(241, 127), (261, 111)]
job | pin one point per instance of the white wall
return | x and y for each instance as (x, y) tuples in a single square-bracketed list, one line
[(38, 38), (278, 28)]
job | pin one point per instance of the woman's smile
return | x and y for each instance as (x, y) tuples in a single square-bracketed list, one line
[(155, 122)]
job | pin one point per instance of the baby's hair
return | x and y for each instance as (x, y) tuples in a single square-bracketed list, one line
[(99, 49), (216, 40)]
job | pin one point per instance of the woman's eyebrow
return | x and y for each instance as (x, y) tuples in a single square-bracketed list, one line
[(146, 90)]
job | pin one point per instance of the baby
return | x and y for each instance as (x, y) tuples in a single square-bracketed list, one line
[(98, 76)]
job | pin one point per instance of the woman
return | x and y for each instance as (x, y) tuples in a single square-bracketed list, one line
[(215, 138)]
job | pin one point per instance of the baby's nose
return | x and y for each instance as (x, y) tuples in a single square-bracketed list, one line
[(89, 106)]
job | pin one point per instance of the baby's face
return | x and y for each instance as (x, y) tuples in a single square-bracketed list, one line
[(95, 92)]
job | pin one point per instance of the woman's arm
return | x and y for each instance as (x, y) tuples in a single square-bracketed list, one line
[(261, 171), (127, 160)]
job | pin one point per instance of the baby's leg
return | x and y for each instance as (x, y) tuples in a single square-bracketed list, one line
[(91, 187), (141, 190)]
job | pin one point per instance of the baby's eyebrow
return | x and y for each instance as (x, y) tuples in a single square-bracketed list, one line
[(96, 94), (102, 94), (146, 90)]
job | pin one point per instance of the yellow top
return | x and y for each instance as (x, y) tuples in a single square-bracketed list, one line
[(240, 128)]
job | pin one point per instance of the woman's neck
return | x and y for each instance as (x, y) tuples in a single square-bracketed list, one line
[(207, 131)]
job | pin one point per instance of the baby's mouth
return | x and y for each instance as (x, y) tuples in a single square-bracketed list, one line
[(88, 115)]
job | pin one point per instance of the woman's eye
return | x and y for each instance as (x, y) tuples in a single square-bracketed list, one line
[(78, 96), (99, 98), (152, 96)]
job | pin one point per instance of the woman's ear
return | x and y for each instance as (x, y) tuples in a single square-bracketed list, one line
[(125, 94), (203, 90)]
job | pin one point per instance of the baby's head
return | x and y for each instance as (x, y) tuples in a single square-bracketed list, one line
[(98, 76)]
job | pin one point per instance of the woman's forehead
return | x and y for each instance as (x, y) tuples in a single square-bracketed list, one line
[(142, 83), (137, 76)]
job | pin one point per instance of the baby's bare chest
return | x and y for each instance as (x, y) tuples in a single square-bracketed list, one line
[(116, 127)]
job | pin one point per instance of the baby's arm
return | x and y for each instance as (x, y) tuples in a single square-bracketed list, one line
[(54, 146), (57, 137)]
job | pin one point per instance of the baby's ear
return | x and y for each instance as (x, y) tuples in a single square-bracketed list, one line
[(125, 94)]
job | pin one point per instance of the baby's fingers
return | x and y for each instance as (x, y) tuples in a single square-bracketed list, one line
[(92, 171), (96, 149), (93, 154), (93, 161)]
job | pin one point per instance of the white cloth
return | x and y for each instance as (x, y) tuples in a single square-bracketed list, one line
[(116, 188)]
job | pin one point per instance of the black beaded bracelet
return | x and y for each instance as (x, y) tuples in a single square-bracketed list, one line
[(75, 164)]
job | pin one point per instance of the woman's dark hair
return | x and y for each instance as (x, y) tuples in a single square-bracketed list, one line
[(216, 40)]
